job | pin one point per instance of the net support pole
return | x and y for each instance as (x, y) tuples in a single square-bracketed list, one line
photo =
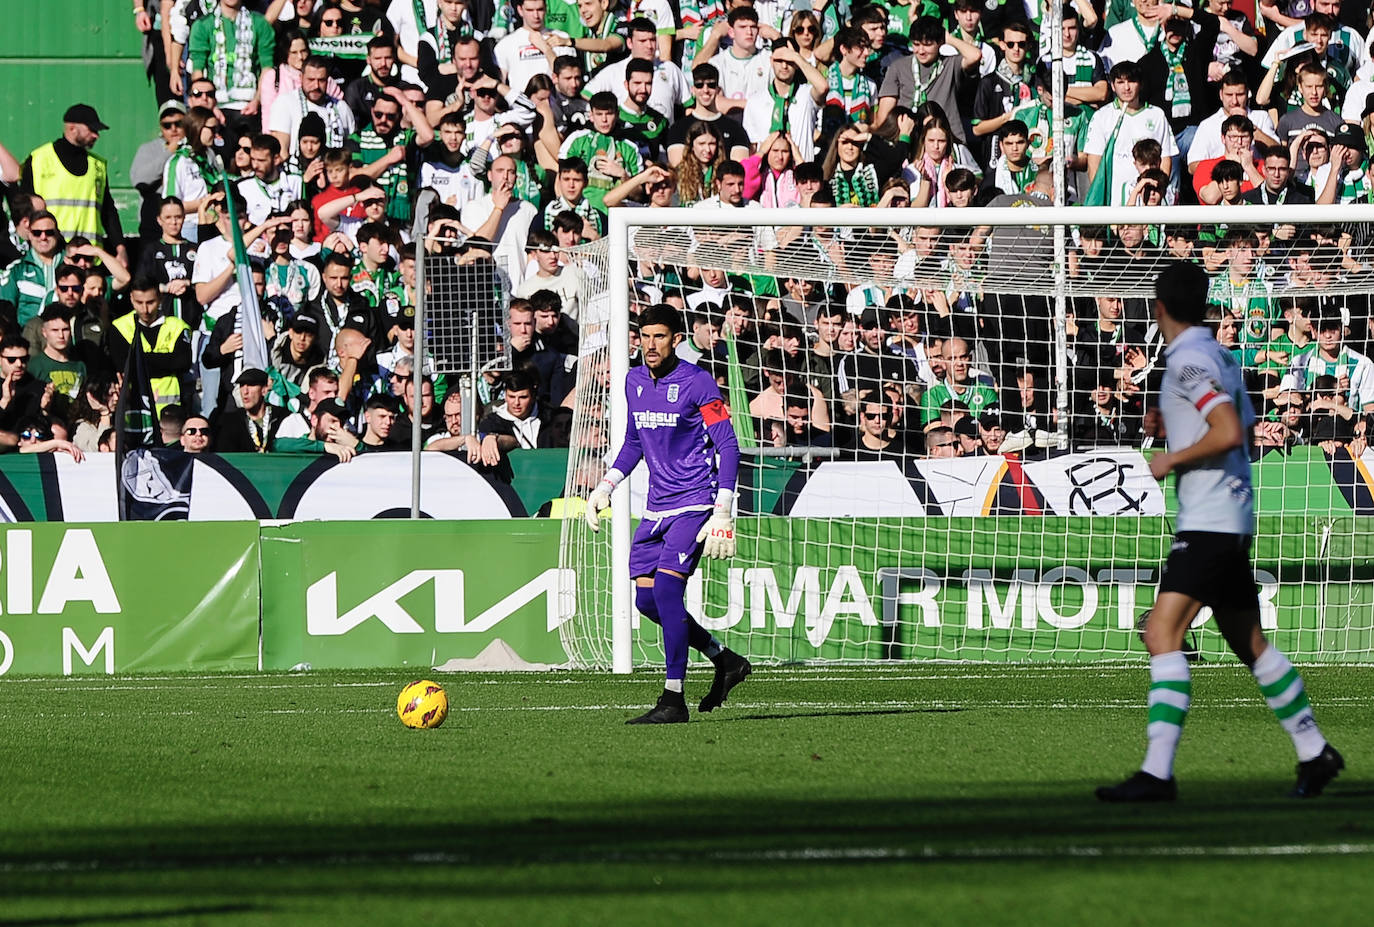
[(1061, 269), (417, 235), (618, 282)]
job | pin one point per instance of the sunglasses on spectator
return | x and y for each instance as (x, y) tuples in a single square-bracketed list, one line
[(192, 430), (705, 83), (31, 435), (69, 287), (804, 30), (388, 116), (203, 93), (332, 22), (1016, 43), (873, 416), (43, 233), (15, 358), (172, 124), (246, 148)]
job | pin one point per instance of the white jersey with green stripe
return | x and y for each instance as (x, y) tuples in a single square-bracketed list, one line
[(1214, 494)]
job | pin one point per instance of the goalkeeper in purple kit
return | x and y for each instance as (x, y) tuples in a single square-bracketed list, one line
[(679, 426)]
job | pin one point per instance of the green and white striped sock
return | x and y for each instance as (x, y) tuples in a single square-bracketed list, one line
[(1283, 690), (1171, 689)]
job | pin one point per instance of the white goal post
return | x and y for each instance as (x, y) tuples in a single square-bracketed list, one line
[(1021, 253)]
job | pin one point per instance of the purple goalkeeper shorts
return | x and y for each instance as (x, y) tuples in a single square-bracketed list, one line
[(668, 543)]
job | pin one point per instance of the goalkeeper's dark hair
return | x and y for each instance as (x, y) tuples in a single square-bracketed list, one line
[(662, 314), (1181, 288)]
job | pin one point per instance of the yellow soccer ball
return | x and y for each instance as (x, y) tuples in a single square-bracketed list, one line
[(422, 704)]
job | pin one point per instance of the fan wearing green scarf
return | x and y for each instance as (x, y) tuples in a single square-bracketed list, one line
[(794, 93)]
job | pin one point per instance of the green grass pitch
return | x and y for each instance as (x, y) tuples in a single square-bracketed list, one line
[(924, 794)]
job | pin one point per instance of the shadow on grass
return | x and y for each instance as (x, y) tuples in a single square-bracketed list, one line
[(129, 917), (1008, 821), (858, 713)]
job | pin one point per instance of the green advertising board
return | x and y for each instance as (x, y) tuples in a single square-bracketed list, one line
[(1008, 589), (129, 597), (400, 593)]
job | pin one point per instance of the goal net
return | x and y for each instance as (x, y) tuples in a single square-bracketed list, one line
[(947, 416)]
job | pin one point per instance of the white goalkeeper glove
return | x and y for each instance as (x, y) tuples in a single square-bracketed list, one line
[(719, 535), (598, 502)]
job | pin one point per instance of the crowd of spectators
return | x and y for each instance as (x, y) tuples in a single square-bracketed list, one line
[(529, 119)]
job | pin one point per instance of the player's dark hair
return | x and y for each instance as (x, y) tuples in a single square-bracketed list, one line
[(1181, 288), (742, 12), (638, 66), (662, 314)]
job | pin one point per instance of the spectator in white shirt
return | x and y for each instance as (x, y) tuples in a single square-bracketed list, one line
[(501, 218)]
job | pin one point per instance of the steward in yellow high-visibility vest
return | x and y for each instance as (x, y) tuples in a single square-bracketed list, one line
[(74, 182), (166, 344)]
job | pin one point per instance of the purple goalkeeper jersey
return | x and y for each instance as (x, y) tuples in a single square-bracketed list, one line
[(678, 425)]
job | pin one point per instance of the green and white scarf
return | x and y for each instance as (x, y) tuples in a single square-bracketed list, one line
[(1083, 67), (1176, 90), (860, 188), (779, 122), (184, 152), (351, 47), (238, 57), (856, 100), (923, 86)]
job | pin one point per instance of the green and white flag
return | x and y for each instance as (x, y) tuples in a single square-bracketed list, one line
[(248, 321)]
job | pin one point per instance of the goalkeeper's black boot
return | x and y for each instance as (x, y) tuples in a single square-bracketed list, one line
[(1314, 774), (1140, 787), (671, 709), (731, 670)]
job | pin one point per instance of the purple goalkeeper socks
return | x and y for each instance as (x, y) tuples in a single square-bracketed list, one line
[(670, 598), (698, 638)]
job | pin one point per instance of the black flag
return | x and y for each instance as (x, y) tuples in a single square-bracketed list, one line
[(148, 489)]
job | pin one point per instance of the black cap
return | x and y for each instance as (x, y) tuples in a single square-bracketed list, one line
[(312, 126), (967, 427), (1329, 321), (406, 317), (869, 318), (252, 376), (331, 407), (1350, 137), (305, 322), (992, 419), (84, 115)]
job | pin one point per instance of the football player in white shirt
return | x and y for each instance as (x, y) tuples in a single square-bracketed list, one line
[(1208, 418)]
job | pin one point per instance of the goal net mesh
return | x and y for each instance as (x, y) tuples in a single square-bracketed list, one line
[(935, 469)]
